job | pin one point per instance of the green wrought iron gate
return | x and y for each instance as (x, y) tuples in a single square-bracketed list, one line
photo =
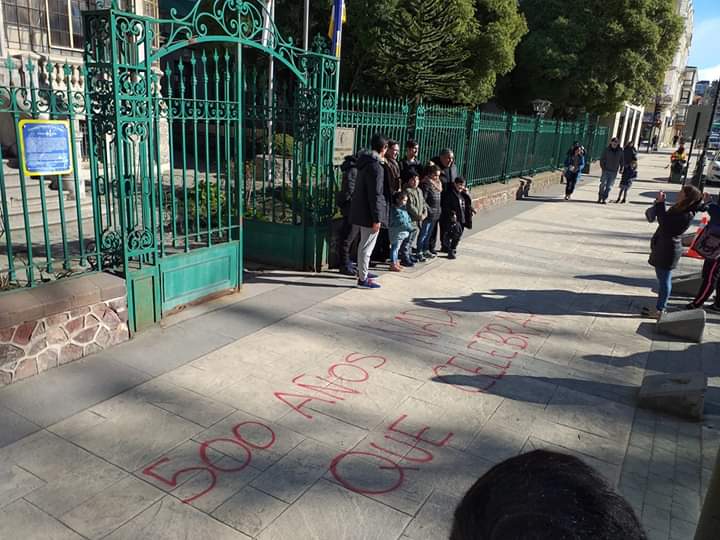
[(182, 149)]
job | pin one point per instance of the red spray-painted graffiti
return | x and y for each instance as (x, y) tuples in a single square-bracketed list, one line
[(421, 446), (492, 350), (213, 469), (352, 369)]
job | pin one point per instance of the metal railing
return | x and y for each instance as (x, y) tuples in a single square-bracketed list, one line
[(47, 226), (488, 147)]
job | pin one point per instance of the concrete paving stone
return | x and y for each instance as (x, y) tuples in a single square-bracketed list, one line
[(135, 433), (610, 472), (16, 483), (329, 511), (23, 520), (14, 427), (268, 441), (589, 413), (181, 402), (324, 429), (75, 486), (106, 511), (655, 518), (497, 444), (250, 511), (160, 350), (60, 393), (294, 473), (169, 519), (579, 441), (256, 396), (434, 518), (633, 496), (231, 477), (204, 382), (662, 501), (76, 424), (681, 530)]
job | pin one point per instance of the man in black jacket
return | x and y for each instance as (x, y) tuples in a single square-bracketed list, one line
[(412, 148), (448, 174), (610, 162), (348, 233), (368, 208)]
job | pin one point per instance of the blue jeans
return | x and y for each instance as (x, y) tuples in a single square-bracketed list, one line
[(396, 243), (426, 228), (664, 277), (607, 181)]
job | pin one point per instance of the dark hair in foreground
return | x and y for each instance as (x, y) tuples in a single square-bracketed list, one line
[(692, 199), (378, 142), (544, 495)]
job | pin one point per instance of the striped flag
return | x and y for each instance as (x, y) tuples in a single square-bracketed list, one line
[(335, 30)]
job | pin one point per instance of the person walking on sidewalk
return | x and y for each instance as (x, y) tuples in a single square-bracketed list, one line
[(711, 266), (417, 208), (400, 228), (666, 243), (610, 163), (573, 165), (348, 232), (368, 209), (448, 174), (678, 159), (630, 154), (628, 175)]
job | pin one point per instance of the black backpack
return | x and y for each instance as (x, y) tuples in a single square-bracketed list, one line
[(347, 187)]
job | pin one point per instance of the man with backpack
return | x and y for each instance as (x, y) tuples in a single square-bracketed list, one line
[(708, 245), (343, 199)]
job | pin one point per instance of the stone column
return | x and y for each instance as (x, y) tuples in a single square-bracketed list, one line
[(625, 124), (616, 125), (638, 130)]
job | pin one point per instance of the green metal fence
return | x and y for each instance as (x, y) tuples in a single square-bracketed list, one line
[(488, 147), (47, 225)]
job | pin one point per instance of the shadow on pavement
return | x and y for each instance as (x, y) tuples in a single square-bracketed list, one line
[(542, 302), (622, 280)]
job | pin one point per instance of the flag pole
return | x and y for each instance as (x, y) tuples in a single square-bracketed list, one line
[(306, 26)]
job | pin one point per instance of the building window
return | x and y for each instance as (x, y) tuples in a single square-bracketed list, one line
[(26, 24), (64, 20)]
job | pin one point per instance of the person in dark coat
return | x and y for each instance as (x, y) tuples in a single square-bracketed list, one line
[(610, 162), (448, 174), (666, 243), (457, 204), (573, 165), (432, 192), (630, 154), (369, 209), (410, 161), (348, 233)]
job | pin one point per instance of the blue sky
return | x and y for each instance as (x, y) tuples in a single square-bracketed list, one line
[(705, 49)]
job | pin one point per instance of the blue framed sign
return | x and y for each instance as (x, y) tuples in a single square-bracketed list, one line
[(45, 147)]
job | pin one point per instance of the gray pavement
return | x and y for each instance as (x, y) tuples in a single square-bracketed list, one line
[(304, 408)]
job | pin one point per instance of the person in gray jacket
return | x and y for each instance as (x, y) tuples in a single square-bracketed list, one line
[(610, 163)]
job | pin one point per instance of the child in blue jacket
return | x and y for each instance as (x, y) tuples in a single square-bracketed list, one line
[(400, 228)]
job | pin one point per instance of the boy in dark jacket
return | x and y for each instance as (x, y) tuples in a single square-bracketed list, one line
[(456, 201), (368, 208)]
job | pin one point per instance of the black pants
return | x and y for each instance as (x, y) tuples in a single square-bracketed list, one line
[(710, 283), (347, 236), (452, 238), (571, 179), (381, 253)]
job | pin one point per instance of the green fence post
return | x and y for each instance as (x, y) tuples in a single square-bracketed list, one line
[(533, 160), (511, 125)]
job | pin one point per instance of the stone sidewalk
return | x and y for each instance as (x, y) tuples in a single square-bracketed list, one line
[(308, 409)]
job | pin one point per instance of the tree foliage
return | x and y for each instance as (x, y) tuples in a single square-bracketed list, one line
[(592, 55), (449, 50)]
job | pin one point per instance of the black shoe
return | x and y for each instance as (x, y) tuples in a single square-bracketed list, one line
[(407, 263), (348, 271), (691, 306), (451, 255), (713, 309)]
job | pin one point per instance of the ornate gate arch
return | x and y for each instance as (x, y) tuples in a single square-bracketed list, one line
[(170, 121)]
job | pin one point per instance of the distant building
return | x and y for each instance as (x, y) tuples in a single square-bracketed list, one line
[(666, 115), (701, 88)]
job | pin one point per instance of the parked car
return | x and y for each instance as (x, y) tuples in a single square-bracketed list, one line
[(712, 169), (714, 142)]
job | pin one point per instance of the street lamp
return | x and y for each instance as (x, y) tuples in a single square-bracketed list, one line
[(541, 106)]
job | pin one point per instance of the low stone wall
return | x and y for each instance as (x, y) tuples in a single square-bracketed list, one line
[(89, 322)]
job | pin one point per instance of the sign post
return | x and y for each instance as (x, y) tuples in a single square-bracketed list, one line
[(45, 147)]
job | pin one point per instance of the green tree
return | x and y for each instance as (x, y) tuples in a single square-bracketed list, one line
[(449, 50), (592, 55)]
